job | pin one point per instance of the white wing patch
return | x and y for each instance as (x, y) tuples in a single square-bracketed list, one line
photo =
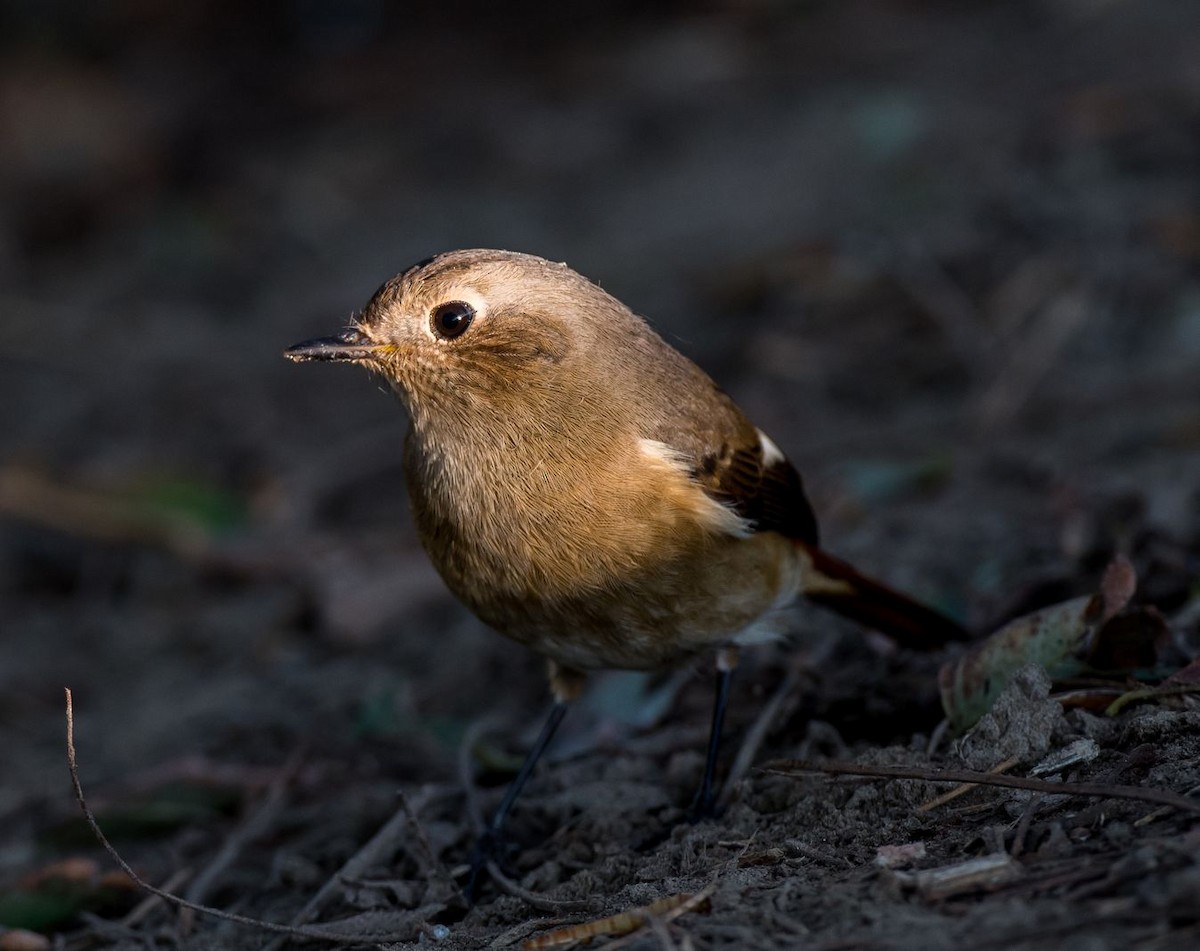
[(717, 517), (771, 453)]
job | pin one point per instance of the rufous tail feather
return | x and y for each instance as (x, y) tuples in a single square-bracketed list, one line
[(834, 584)]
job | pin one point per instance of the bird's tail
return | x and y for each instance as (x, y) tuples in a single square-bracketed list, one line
[(834, 584)]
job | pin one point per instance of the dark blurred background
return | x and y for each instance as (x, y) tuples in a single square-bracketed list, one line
[(945, 252)]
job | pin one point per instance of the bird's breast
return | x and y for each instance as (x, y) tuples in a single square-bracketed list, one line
[(613, 558)]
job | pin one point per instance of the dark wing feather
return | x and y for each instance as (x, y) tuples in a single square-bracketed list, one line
[(784, 505), (724, 453), (771, 496)]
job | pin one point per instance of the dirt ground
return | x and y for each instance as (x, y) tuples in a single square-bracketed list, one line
[(947, 254)]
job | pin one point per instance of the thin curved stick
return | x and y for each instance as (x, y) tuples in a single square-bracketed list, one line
[(297, 932), (1160, 797)]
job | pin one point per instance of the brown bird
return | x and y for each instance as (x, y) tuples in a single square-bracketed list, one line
[(586, 489)]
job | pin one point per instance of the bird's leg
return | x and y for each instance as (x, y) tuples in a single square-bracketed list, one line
[(492, 838), (705, 803), (566, 685)]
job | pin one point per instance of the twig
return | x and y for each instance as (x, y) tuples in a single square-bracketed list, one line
[(150, 902), (521, 931), (834, 861), (1160, 812), (353, 867), (1033, 358), (1078, 871), (291, 930), (1148, 693), (425, 857), (984, 873), (466, 776), (937, 736), (661, 932), (1161, 797), (973, 810), (1023, 824), (113, 933), (947, 304), (625, 923), (254, 827), (957, 791), (1141, 756), (533, 899)]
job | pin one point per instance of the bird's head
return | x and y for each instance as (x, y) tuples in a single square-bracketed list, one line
[(466, 329)]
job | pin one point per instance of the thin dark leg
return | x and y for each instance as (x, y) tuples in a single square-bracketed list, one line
[(704, 805), (489, 841)]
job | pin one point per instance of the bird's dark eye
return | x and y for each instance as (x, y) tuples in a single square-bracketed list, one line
[(452, 319)]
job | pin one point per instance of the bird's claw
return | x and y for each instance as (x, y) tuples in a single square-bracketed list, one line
[(489, 847), (703, 808)]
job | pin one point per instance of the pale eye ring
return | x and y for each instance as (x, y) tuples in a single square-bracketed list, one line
[(451, 319)]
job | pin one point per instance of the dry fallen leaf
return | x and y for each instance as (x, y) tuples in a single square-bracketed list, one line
[(1098, 634)]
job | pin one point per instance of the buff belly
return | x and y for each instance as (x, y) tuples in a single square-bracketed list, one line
[(733, 591)]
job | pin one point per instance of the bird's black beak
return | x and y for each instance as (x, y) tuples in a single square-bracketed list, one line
[(351, 345)]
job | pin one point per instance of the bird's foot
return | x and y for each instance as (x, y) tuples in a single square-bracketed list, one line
[(491, 847), (703, 807)]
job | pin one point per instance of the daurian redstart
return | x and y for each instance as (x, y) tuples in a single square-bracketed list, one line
[(586, 489)]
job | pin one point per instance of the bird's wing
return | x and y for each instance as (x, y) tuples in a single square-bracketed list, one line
[(736, 464), (760, 484)]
